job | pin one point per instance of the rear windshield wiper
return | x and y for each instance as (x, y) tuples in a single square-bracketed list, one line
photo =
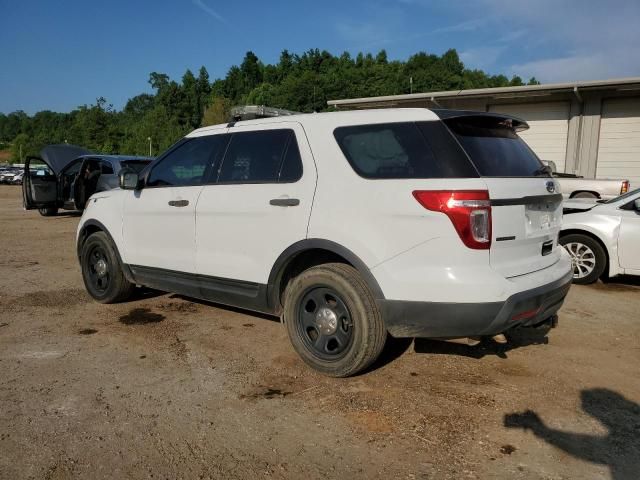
[(543, 171)]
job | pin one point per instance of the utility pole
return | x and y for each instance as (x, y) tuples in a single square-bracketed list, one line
[(21, 154), (410, 84), (149, 138)]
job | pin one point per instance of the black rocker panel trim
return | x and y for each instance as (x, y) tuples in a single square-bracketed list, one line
[(227, 291)]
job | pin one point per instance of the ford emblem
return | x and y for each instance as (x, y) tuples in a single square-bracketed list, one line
[(551, 187)]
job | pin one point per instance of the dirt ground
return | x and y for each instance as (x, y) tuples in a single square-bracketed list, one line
[(165, 387)]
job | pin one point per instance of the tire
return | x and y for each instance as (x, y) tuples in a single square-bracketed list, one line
[(587, 256), (585, 195), (48, 211), (102, 272), (334, 297)]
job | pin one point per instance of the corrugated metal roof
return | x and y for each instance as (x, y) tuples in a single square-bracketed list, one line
[(632, 83)]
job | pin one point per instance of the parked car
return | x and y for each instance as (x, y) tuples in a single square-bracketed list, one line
[(574, 186), (8, 174), (17, 178), (348, 225), (65, 176), (603, 238)]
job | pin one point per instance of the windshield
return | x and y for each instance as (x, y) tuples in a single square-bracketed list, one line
[(495, 148), (622, 197)]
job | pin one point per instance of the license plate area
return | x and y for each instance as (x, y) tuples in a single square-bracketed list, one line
[(541, 218)]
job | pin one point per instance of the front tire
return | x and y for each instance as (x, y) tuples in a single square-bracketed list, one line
[(48, 211), (101, 270), (588, 258), (333, 321)]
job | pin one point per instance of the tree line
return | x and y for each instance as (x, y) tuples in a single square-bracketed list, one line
[(301, 83)]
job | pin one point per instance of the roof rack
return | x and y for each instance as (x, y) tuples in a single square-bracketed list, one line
[(249, 112)]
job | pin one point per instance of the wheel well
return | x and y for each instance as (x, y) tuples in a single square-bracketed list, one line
[(564, 233), (595, 194), (85, 233), (303, 261)]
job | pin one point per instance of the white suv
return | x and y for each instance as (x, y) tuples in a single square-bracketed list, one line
[(348, 225)]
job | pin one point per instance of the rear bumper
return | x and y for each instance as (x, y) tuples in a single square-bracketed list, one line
[(451, 320)]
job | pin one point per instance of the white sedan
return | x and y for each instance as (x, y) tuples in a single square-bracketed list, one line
[(603, 238)]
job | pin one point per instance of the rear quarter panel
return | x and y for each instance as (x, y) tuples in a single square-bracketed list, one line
[(383, 224)]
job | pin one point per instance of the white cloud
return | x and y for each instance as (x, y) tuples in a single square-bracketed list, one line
[(590, 40), (482, 57), (466, 26), (581, 66), (209, 11)]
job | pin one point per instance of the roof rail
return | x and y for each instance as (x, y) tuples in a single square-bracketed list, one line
[(249, 112)]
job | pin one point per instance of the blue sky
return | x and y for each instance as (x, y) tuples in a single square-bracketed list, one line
[(57, 55)]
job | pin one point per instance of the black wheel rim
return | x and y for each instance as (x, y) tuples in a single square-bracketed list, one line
[(98, 269), (324, 323)]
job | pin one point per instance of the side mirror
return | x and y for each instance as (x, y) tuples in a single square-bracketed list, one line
[(636, 205), (129, 180)]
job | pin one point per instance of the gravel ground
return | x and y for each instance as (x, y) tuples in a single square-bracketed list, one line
[(166, 387)]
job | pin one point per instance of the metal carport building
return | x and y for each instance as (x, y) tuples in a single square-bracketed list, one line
[(588, 128)]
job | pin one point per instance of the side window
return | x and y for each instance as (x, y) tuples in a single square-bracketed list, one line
[(106, 168), (187, 164), (254, 156), (291, 170)]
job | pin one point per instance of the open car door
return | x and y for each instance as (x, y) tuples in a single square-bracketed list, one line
[(40, 181), (39, 184)]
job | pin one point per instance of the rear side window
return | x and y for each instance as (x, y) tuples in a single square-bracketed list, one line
[(265, 156), (186, 164), (494, 147), (403, 150)]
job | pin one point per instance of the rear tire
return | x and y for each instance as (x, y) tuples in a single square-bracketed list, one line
[(588, 258), (333, 321), (102, 272), (48, 211)]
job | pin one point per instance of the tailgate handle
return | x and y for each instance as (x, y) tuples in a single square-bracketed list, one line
[(547, 247), (284, 202), (178, 203)]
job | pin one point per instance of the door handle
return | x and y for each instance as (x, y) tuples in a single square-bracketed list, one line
[(284, 202), (178, 203)]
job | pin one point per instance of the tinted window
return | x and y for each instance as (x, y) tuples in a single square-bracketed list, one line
[(254, 156), (403, 150), (495, 148), (187, 163), (106, 168), (291, 170)]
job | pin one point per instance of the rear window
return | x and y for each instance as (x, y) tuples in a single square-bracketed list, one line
[(403, 150), (495, 148)]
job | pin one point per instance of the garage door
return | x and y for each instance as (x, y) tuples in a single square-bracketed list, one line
[(548, 128), (619, 147)]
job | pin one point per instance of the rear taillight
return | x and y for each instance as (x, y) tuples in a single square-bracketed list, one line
[(468, 210), (625, 187)]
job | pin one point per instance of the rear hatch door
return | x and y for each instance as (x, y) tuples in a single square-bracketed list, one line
[(526, 203)]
